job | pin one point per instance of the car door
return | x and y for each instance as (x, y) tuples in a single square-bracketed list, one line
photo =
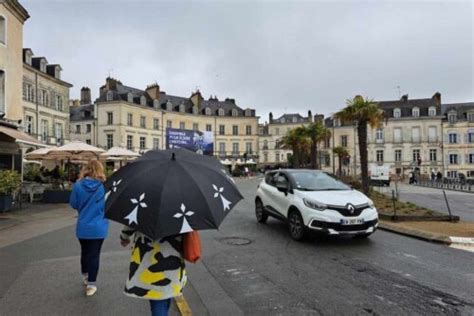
[(268, 190), (282, 200)]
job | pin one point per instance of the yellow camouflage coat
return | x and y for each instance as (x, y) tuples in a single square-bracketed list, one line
[(156, 267)]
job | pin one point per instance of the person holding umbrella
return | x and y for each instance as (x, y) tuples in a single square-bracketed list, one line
[(87, 197), (160, 197)]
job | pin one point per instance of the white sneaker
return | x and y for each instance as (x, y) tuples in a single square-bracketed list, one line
[(84, 280), (90, 290)]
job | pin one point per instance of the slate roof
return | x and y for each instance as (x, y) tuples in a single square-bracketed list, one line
[(288, 118), (121, 93), (460, 108), (81, 113), (406, 106)]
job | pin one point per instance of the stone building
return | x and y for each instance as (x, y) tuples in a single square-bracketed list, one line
[(137, 119), (45, 100), (82, 119)]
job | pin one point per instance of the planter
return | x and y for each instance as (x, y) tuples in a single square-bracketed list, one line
[(6, 202), (56, 196)]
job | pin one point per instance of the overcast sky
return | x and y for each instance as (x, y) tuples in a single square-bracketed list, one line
[(271, 56)]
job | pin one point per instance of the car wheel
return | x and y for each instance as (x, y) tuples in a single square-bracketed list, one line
[(260, 212), (296, 226)]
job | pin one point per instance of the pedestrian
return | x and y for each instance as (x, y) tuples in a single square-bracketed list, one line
[(157, 271), (433, 176), (439, 176), (87, 197)]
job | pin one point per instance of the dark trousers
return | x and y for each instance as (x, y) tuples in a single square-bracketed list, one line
[(90, 257), (160, 307)]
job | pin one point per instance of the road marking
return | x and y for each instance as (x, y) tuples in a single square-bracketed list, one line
[(183, 306)]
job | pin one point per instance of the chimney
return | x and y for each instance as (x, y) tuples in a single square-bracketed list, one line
[(404, 98), (310, 116), (437, 98), (153, 91), (111, 83), (270, 117), (319, 117), (85, 95), (196, 98), (229, 100)]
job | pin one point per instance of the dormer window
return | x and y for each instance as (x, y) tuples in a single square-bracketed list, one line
[(470, 117), (397, 113), (415, 112), (221, 112), (282, 120), (143, 100), (432, 111), (169, 106), (195, 110), (337, 122), (248, 112), (130, 97), (156, 103), (43, 65), (207, 111), (295, 119), (235, 112), (57, 73), (28, 56), (182, 108), (109, 96), (452, 117)]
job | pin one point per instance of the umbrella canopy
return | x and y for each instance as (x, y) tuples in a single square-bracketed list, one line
[(38, 154), (226, 162), (171, 192), (118, 153), (74, 151)]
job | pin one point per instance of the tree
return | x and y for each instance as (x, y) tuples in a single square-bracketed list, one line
[(341, 153), (362, 112), (297, 141), (317, 133)]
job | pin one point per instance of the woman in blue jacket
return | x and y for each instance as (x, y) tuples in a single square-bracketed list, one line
[(87, 198)]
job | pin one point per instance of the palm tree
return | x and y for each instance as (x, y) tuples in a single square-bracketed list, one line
[(317, 133), (341, 153), (297, 141), (362, 112)]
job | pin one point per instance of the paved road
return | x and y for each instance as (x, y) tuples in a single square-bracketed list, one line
[(260, 268), (461, 203)]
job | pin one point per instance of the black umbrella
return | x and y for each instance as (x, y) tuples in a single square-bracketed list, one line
[(170, 192)]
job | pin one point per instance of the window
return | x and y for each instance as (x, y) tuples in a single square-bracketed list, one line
[(248, 112), (156, 104), (248, 130), (29, 124), (235, 130), (143, 100), (379, 155), (142, 142), (3, 30), (398, 155), (344, 140), (327, 142), (265, 157), (415, 112), (397, 135), (453, 138), (88, 142), (130, 142), (265, 144), (235, 148), (470, 137), (156, 143), (156, 123), (416, 155), (88, 128), (195, 110), (221, 129), (433, 154), (78, 129), (110, 141), (44, 98), (130, 97), (110, 118), (143, 121), (221, 112), (169, 106), (248, 148), (222, 149), (109, 96), (169, 124), (432, 111), (235, 112), (43, 65), (58, 132), (453, 159), (452, 174), (182, 108), (277, 144), (470, 117), (378, 135), (277, 157), (415, 134), (277, 131), (182, 125), (397, 113), (59, 103), (208, 128), (2, 91), (130, 119), (432, 131), (452, 118), (208, 111), (44, 129), (295, 119), (195, 126), (470, 158)]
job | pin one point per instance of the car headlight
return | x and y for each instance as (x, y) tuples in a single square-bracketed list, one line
[(315, 205), (371, 204)]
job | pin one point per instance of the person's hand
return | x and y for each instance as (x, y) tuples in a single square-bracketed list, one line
[(124, 243)]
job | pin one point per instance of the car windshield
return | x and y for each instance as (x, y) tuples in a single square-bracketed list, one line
[(317, 181)]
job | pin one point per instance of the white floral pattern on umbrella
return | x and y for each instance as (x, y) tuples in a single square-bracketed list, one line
[(183, 213), (132, 217), (225, 203), (114, 188)]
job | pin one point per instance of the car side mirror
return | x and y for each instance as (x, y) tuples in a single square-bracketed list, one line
[(282, 187)]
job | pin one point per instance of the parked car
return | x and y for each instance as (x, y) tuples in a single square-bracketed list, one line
[(379, 174), (313, 200)]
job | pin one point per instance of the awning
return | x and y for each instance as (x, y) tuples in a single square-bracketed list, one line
[(20, 137)]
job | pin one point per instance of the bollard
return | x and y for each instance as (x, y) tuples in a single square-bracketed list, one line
[(393, 203), (447, 205)]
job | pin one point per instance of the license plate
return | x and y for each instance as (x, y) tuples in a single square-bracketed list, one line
[(352, 221)]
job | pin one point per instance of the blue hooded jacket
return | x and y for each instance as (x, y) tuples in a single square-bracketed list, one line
[(87, 197)]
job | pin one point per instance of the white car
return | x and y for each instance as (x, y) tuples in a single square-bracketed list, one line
[(313, 200)]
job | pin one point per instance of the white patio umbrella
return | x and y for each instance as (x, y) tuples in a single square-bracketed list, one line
[(118, 153), (75, 150), (38, 154), (251, 162), (226, 162)]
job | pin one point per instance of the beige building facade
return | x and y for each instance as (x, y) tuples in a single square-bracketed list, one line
[(12, 18), (137, 119), (45, 100)]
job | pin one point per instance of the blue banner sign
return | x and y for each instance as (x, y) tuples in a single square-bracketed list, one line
[(199, 142)]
